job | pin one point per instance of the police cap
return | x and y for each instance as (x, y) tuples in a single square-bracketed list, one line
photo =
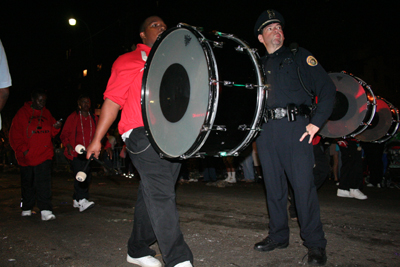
[(267, 17)]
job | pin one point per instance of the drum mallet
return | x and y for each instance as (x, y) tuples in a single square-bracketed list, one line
[(80, 149), (81, 175)]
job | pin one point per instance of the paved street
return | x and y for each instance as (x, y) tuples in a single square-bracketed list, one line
[(220, 224)]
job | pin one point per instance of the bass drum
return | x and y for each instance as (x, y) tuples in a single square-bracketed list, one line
[(354, 107), (384, 125), (202, 94)]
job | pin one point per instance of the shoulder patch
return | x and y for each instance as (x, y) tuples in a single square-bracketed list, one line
[(312, 61)]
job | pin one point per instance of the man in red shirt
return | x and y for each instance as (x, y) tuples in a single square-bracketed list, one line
[(79, 129), (156, 217)]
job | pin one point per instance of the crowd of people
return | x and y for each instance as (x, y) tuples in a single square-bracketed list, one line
[(288, 153)]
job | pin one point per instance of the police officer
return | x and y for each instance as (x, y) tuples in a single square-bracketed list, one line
[(293, 77)]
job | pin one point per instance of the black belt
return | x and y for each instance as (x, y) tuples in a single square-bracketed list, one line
[(291, 111)]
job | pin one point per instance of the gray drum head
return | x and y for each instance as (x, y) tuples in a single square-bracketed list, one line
[(384, 124), (351, 108), (175, 109)]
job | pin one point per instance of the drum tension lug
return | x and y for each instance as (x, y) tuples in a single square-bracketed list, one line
[(219, 128), (218, 44), (229, 83), (243, 127), (239, 48), (214, 128)]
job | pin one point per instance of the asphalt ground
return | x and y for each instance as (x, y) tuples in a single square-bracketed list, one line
[(220, 224)]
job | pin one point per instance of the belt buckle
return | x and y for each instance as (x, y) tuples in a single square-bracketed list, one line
[(279, 113)]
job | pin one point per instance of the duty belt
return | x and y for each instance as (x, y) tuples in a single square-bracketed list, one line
[(291, 111)]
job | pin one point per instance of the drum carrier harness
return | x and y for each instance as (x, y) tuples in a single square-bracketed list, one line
[(291, 110)]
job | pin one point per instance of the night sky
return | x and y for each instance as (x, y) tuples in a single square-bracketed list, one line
[(44, 51)]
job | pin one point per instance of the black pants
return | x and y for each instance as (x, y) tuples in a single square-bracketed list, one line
[(282, 154), (156, 217), (81, 189), (321, 171), (351, 173), (36, 186), (373, 156)]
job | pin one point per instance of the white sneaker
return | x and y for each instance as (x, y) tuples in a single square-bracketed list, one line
[(83, 204), (356, 193), (230, 180), (370, 185), (26, 213), (344, 193), (75, 204), (184, 264), (47, 215), (146, 261)]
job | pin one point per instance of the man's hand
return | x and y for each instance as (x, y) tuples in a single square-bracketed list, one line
[(93, 148), (57, 125), (311, 130), (70, 149), (109, 112)]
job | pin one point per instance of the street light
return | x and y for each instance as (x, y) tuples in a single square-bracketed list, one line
[(91, 69), (72, 21)]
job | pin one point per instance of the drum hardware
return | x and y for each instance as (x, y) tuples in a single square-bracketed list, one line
[(243, 48), (200, 29), (231, 84), (218, 44), (213, 128), (244, 127)]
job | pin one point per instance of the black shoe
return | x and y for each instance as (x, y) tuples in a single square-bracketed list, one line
[(268, 244), (317, 256)]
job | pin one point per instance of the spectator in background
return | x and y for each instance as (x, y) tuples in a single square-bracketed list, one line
[(351, 172), (31, 132), (334, 153), (248, 165), (373, 154), (230, 169), (108, 154), (79, 129), (209, 169)]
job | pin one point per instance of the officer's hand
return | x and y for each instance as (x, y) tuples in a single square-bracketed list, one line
[(311, 130)]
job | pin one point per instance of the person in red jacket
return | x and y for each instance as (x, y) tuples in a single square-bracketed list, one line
[(79, 129), (31, 132)]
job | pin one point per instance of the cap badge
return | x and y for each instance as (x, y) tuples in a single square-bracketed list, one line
[(271, 14)]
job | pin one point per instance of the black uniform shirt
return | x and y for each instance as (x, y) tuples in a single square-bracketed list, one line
[(285, 88)]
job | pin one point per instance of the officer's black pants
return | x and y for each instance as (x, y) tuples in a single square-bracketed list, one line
[(281, 152), (156, 217)]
